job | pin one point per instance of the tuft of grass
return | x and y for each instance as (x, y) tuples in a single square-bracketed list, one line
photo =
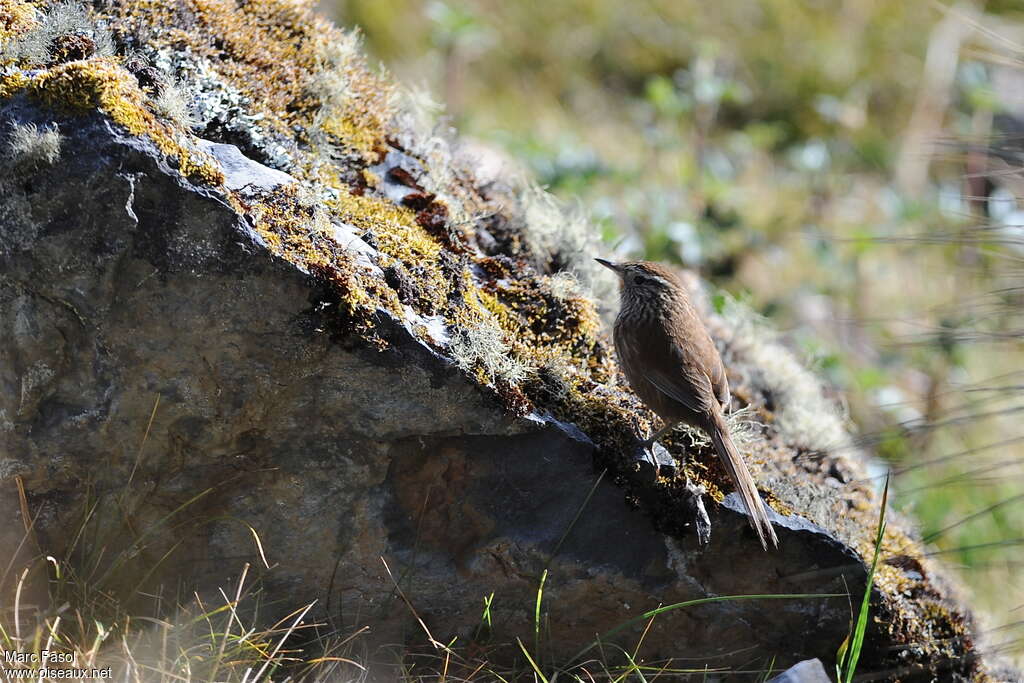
[(482, 347), (187, 642), (849, 650), (174, 104), (65, 31), (29, 146), (486, 624)]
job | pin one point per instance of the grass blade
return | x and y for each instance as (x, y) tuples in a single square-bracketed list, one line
[(693, 603), (536, 611), (848, 656), (533, 664)]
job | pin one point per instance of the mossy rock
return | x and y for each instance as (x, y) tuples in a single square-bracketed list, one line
[(344, 338)]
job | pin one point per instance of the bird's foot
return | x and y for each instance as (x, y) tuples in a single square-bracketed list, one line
[(695, 503), (653, 461)]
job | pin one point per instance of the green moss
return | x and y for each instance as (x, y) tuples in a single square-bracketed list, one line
[(276, 53)]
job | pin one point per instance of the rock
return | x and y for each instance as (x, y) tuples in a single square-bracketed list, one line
[(653, 462), (807, 671), (240, 342), (137, 288)]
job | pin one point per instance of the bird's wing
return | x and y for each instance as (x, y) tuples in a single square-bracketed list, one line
[(680, 376), (720, 382)]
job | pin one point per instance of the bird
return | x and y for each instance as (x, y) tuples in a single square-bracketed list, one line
[(670, 361)]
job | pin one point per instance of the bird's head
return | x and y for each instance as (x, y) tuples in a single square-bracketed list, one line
[(640, 278)]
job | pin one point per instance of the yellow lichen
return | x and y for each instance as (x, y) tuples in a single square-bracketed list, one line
[(476, 297), (16, 18), (394, 233), (91, 84), (101, 84), (279, 54), (370, 178), (12, 83)]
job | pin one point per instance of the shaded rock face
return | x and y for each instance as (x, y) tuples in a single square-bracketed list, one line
[(129, 294)]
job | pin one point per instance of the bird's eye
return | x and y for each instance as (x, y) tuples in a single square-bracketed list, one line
[(641, 280)]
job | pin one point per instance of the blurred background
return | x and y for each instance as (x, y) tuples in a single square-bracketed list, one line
[(851, 169)]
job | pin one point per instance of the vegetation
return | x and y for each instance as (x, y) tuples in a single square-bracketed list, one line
[(849, 651), (28, 145)]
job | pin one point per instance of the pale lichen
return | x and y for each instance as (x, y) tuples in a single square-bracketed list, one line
[(28, 145)]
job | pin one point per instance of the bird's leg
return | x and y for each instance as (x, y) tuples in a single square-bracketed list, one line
[(650, 444), (669, 426)]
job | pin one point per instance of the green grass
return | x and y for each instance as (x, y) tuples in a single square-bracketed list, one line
[(849, 652), (195, 640), (536, 612)]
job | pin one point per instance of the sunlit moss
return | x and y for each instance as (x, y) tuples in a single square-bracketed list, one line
[(12, 83), (276, 53)]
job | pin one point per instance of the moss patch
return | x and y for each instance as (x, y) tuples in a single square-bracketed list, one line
[(101, 84), (281, 56)]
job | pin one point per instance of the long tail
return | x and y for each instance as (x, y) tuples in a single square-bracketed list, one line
[(756, 508)]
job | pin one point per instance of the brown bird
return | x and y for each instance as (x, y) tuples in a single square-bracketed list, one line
[(674, 367)]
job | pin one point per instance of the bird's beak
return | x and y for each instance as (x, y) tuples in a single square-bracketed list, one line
[(615, 267)]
